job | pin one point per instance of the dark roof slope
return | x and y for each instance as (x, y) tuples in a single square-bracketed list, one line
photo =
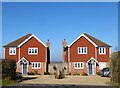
[(18, 41), (96, 41)]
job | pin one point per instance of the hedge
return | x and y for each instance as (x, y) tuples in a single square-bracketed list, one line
[(115, 67)]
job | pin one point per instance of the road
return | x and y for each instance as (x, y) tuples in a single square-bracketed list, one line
[(55, 86)]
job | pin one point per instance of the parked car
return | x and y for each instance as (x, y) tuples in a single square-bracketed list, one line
[(105, 72)]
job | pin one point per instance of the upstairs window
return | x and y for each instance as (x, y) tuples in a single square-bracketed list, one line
[(12, 51), (82, 50), (32, 50), (79, 65), (102, 50)]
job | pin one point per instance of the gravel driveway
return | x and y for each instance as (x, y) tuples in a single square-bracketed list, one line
[(77, 80)]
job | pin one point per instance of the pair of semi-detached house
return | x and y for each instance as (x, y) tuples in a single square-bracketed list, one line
[(86, 54)]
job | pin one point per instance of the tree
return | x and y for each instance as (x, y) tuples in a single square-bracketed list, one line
[(115, 67)]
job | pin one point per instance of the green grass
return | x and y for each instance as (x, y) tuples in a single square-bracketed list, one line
[(7, 82), (116, 85)]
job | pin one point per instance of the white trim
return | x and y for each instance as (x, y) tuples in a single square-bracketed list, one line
[(79, 65), (104, 48), (29, 39), (86, 38), (35, 64), (23, 58), (31, 48), (12, 48), (21, 67), (83, 50), (93, 59)]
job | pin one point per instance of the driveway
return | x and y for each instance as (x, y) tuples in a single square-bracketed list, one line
[(72, 80)]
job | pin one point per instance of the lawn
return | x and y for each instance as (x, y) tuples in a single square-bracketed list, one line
[(7, 82), (117, 86)]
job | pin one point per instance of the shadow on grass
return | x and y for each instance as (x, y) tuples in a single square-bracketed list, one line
[(28, 78)]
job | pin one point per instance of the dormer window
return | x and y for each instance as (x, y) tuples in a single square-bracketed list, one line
[(82, 50), (12, 51), (32, 51), (102, 50)]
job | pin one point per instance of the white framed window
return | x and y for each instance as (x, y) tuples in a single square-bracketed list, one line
[(102, 65), (102, 50), (12, 51), (78, 65), (32, 50), (82, 50), (36, 65)]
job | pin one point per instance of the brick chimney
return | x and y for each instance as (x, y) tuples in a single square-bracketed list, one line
[(64, 44), (48, 43)]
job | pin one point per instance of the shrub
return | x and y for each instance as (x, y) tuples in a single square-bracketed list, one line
[(55, 73), (76, 73), (69, 73), (84, 74), (98, 73), (9, 69), (60, 75), (54, 67), (19, 77), (46, 73), (31, 73)]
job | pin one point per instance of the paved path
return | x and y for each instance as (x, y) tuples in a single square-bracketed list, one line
[(48, 81), (74, 80)]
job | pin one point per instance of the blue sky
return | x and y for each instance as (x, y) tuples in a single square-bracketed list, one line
[(58, 21)]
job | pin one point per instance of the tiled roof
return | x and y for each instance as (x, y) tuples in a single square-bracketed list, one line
[(18, 41), (96, 41)]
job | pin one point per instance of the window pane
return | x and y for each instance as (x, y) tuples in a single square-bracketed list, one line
[(10, 50), (84, 50), (103, 50), (29, 50), (33, 65), (38, 64), (81, 65), (14, 51), (78, 65), (32, 50), (35, 50), (100, 50), (75, 64)]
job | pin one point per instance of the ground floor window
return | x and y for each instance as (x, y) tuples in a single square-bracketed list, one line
[(102, 65), (36, 65), (78, 65)]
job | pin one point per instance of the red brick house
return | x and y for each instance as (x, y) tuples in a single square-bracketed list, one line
[(30, 53), (86, 54)]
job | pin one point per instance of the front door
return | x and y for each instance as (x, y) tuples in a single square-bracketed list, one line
[(24, 68), (90, 68)]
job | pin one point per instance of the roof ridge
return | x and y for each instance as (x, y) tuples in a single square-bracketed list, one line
[(16, 42), (95, 39)]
